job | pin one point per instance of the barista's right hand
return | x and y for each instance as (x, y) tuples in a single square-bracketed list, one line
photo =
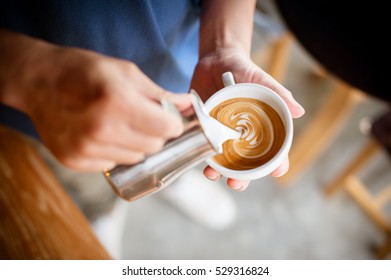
[(90, 110)]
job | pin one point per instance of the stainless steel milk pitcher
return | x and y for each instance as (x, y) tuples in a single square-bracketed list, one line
[(197, 143)]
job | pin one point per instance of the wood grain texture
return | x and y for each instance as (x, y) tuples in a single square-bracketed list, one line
[(370, 149), (321, 131), (38, 220), (365, 200)]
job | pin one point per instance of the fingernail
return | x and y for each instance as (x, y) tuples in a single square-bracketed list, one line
[(214, 178), (236, 186), (300, 107), (178, 130), (297, 110), (279, 174)]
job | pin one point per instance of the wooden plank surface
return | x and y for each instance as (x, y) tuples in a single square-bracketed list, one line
[(38, 220)]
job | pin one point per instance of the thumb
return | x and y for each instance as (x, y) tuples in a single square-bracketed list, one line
[(181, 100)]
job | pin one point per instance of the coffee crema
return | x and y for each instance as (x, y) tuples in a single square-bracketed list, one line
[(262, 133)]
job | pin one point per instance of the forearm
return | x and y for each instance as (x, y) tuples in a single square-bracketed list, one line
[(16, 52), (226, 24)]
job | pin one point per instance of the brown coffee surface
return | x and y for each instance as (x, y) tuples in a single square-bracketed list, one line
[(262, 133)]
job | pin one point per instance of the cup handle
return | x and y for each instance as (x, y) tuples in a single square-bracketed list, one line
[(228, 79)]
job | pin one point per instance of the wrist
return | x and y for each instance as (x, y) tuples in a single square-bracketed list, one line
[(223, 44), (226, 25)]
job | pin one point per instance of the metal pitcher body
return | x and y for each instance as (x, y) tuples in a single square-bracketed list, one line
[(202, 138), (159, 170)]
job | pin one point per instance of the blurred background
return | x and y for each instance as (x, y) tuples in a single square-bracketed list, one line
[(289, 217)]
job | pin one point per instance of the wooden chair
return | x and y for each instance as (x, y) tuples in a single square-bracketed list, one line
[(349, 61), (372, 204), (384, 250), (309, 22), (279, 54), (38, 220), (323, 127)]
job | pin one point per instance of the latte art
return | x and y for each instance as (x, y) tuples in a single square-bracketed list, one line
[(262, 133)]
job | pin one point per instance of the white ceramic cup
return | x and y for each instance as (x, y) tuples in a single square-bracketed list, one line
[(262, 93)]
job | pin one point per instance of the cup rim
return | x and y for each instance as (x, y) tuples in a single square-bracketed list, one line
[(279, 157)]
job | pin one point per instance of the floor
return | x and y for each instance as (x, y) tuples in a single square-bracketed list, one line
[(273, 222)]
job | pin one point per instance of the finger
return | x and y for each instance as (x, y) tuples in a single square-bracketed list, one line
[(211, 174), (237, 185), (141, 114), (282, 169), (88, 164), (135, 104), (182, 101), (114, 129), (91, 150), (150, 118), (123, 136), (156, 93), (188, 112), (117, 154), (294, 107)]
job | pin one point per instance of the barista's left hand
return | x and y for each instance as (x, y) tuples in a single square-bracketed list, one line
[(207, 80)]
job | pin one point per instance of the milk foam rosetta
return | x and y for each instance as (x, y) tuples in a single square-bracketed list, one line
[(262, 133)]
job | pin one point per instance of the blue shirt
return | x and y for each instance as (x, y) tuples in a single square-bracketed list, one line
[(161, 37)]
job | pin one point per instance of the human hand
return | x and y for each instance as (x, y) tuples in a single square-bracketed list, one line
[(90, 110), (207, 80)]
